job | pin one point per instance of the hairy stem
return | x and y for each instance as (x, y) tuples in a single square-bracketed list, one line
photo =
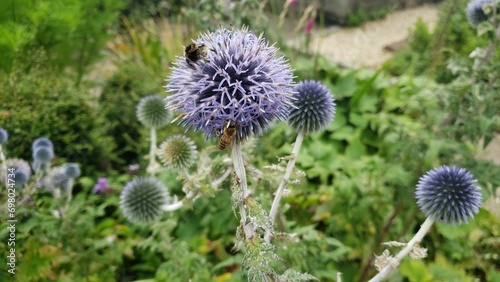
[(404, 252), (152, 153), (4, 167), (239, 169), (286, 176)]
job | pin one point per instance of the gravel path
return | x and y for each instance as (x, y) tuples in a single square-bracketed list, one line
[(364, 45)]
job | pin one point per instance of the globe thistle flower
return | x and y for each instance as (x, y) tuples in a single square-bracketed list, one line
[(314, 107), (20, 178), (448, 194), (475, 12), (43, 154), (142, 199), (240, 79), (4, 136), (151, 111), (72, 170), (19, 164), (42, 141), (22, 171)]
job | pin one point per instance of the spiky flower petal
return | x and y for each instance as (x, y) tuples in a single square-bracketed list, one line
[(314, 107), (241, 79), (4, 136), (42, 141), (475, 12), (151, 111), (448, 194), (72, 170), (178, 152), (43, 154), (142, 199)]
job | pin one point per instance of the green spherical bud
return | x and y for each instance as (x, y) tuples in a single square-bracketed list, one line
[(151, 111), (178, 152), (142, 199)]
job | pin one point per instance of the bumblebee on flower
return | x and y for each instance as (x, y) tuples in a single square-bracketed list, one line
[(241, 79)]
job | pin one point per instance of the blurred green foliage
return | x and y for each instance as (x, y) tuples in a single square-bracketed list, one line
[(41, 102), (429, 50), (71, 33)]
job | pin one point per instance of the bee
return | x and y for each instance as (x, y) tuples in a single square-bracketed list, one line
[(195, 52), (228, 134)]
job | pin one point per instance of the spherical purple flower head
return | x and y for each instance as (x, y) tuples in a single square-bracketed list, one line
[(241, 80), (475, 12), (448, 194), (3, 136), (20, 178), (42, 141), (43, 154), (22, 171), (314, 107), (72, 170)]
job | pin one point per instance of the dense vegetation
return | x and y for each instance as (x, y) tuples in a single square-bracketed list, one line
[(74, 71)]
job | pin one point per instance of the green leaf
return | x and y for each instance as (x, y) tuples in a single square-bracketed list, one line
[(415, 270), (345, 86)]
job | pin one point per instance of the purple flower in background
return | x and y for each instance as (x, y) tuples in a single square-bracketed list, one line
[(102, 186), (475, 12), (293, 2), (240, 79), (309, 26)]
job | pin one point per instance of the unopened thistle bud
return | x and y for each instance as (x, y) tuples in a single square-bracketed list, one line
[(448, 194), (178, 152), (314, 107), (151, 111), (142, 199)]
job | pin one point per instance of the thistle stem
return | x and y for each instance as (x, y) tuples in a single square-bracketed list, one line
[(4, 167), (286, 176), (173, 206), (152, 153), (239, 169), (404, 252)]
